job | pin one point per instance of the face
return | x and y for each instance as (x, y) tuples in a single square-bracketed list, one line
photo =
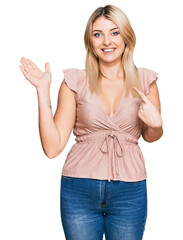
[(107, 43)]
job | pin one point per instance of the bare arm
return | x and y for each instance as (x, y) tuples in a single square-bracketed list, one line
[(49, 134), (54, 131), (151, 134), (65, 114)]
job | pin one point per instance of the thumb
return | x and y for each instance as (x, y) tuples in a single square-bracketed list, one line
[(47, 67)]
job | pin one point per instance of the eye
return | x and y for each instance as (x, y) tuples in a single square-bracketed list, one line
[(115, 33), (97, 34)]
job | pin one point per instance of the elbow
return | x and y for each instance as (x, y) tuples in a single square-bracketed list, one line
[(48, 154), (149, 139), (52, 154)]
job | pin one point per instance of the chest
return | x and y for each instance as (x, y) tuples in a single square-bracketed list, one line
[(109, 109), (110, 96)]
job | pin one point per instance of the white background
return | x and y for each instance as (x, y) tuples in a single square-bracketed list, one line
[(53, 31)]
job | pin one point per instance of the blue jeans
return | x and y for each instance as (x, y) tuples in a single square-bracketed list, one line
[(91, 207)]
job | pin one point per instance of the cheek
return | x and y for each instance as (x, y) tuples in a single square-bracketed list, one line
[(96, 48), (93, 44), (122, 45), (96, 42), (120, 42)]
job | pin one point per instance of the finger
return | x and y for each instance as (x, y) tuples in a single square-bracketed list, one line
[(32, 63), (142, 105), (24, 63), (29, 63), (23, 71), (138, 91), (22, 67), (141, 94), (140, 111), (47, 67), (141, 116)]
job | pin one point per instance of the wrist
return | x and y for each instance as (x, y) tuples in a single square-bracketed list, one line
[(43, 89), (157, 126)]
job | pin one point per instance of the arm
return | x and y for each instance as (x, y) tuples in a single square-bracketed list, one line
[(55, 131), (151, 134), (49, 134)]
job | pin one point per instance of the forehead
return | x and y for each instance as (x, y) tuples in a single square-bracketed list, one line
[(102, 23)]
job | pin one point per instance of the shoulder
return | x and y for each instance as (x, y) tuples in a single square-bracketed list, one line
[(74, 72), (147, 77), (75, 79), (146, 71)]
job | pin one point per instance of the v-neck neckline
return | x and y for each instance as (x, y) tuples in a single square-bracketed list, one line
[(101, 105), (103, 109)]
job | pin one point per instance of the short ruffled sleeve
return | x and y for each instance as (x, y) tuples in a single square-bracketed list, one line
[(71, 76), (149, 76)]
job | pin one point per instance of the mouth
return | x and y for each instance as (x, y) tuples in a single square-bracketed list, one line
[(108, 50)]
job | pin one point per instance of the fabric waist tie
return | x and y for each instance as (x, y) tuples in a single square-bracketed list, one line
[(110, 145)]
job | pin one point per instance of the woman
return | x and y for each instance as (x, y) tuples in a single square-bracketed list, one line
[(110, 104)]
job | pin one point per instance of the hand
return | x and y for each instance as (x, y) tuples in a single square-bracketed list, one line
[(34, 75), (148, 113)]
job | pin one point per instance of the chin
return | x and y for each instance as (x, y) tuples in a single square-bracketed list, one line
[(109, 60)]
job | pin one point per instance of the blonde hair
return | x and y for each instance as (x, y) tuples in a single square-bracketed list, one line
[(131, 77)]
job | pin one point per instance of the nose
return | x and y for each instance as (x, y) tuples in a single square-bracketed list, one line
[(106, 40)]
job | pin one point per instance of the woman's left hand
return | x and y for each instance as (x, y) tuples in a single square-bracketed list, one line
[(147, 112)]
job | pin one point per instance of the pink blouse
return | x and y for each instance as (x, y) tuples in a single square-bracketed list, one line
[(106, 146)]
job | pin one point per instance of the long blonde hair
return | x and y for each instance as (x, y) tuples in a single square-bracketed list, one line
[(131, 77)]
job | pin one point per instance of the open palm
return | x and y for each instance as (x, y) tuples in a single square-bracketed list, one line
[(34, 75)]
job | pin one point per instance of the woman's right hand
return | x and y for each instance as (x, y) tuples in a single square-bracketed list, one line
[(34, 75)]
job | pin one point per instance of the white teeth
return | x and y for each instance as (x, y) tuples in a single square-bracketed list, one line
[(108, 50)]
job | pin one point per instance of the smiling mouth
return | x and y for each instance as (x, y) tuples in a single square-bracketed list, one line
[(108, 50)]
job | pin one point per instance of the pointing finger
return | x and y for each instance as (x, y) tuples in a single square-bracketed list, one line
[(141, 94)]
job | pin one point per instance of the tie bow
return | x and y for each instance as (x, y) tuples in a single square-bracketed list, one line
[(111, 145)]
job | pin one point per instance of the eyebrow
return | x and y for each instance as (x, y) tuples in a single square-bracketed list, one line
[(101, 30)]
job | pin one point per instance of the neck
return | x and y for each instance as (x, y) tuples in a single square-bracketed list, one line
[(111, 71)]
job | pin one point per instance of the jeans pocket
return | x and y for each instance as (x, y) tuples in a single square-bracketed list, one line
[(68, 178)]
